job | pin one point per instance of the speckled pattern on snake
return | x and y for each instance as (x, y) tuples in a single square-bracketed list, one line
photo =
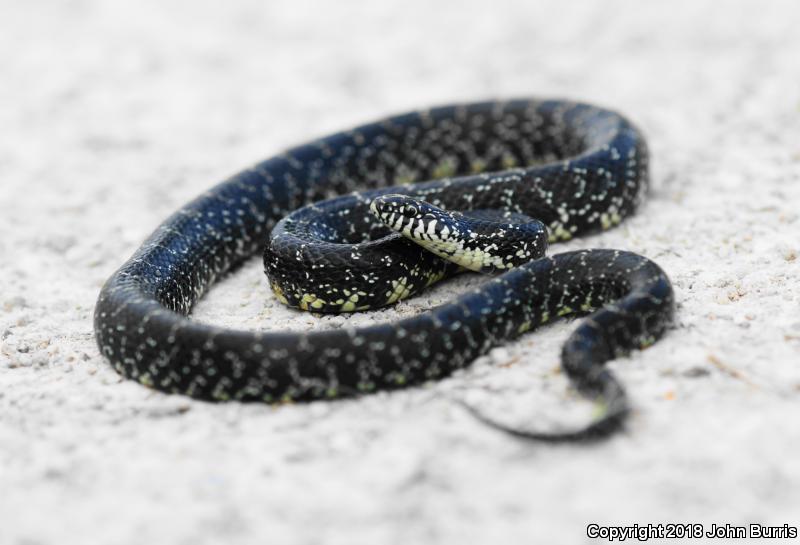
[(574, 167)]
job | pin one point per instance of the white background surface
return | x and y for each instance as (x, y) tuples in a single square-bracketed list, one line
[(113, 114)]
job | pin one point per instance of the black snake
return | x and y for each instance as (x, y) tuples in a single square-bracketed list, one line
[(574, 167)]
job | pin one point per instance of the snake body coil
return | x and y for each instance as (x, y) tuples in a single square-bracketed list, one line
[(574, 167)]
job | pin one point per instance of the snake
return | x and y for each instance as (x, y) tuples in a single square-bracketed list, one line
[(373, 215)]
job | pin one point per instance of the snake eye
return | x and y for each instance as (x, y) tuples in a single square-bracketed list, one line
[(409, 211)]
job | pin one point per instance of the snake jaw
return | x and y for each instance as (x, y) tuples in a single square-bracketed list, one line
[(373, 208)]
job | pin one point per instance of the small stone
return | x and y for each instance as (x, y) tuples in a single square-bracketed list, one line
[(499, 356), (696, 372), (14, 303)]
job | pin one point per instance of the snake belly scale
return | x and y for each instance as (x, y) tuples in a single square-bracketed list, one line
[(573, 167)]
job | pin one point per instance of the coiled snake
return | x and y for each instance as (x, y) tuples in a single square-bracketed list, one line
[(574, 167)]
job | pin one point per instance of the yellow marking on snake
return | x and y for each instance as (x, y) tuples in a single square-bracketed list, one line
[(399, 290), (545, 316), (478, 166), (608, 220), (276, 289), (434, 277), (444, 168), (509, 161), (309, 300), (350, 304), (558, 233)]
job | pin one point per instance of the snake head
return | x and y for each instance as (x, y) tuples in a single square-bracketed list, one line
[(402, 213), (482, 241)]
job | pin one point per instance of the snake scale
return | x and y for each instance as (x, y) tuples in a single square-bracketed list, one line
[(574, 167)]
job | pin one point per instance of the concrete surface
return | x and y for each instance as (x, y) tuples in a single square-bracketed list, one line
[(113, 114)]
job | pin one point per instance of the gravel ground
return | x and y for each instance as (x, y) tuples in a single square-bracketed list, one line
[(113, 114)]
